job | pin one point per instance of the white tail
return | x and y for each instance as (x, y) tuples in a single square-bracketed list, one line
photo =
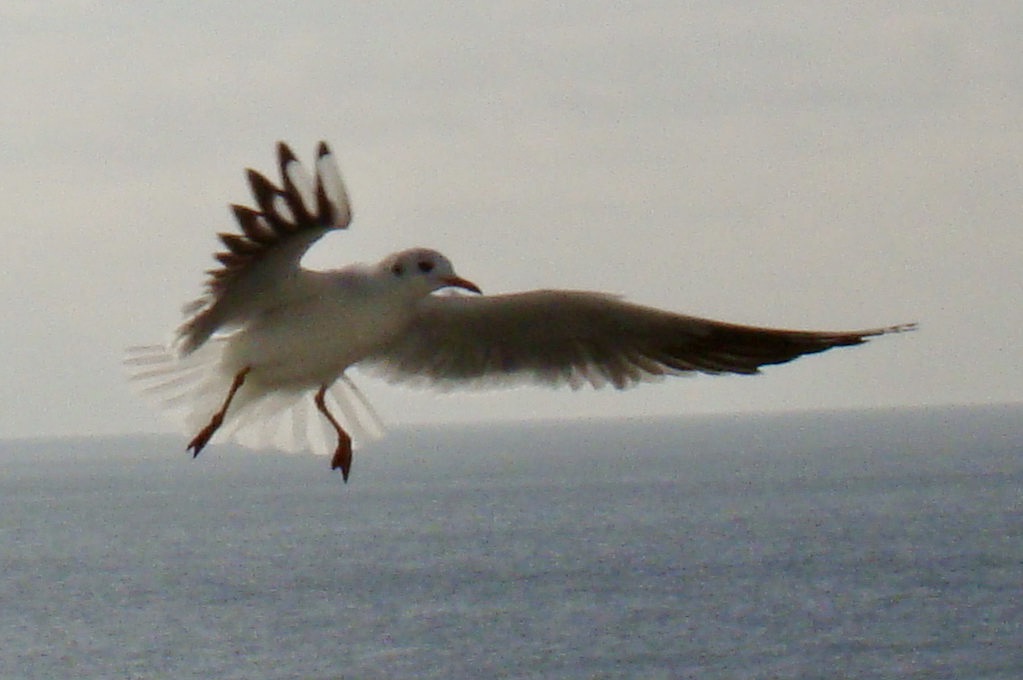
[(192, 387)]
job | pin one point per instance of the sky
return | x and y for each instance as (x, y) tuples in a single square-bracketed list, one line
[(824, 165)]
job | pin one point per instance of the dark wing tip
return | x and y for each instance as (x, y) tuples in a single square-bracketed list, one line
[(263, 190), (332, 204), (253, 225), (300, 205), (285, 155), (241, 245), (900, 328), (259, 182)]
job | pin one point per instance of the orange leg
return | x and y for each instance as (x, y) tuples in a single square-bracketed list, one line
[(343, 454), (200, 440)]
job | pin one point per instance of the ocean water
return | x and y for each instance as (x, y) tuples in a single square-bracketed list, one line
[(873, 544)]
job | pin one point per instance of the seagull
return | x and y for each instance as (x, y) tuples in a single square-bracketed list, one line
[(267, 332)]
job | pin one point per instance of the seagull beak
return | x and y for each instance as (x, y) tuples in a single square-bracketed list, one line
[(459, 282)]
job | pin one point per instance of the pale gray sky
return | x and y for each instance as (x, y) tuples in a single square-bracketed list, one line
[(825, 165)]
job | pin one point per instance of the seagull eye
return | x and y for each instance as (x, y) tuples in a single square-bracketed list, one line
[(425, 266), (398, 269)]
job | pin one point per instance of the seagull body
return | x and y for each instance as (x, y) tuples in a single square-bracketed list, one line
[(268, 331), (337, 320)]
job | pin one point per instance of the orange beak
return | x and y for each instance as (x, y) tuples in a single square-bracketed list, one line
[(459, 282)]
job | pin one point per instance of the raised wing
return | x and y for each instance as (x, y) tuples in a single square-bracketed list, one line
[(258, 263), (573, 338)]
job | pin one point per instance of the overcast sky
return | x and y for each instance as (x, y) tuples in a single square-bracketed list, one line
[(824, 165)]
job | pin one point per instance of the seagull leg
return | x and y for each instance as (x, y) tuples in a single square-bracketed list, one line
[(343, 454), (200, 440)]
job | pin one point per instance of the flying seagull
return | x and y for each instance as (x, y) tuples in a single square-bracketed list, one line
[(267, 331)]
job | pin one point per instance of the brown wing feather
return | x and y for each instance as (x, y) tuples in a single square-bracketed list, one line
[(560, 337), (265, 228), (292, 193), (254, 227), (274, 236)]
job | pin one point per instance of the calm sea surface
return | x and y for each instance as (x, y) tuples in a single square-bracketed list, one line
[(880, 544)]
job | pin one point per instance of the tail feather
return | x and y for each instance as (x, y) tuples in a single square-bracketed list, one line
[(192, 387)]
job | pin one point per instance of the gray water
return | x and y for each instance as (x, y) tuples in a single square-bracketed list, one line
[(879, 544)]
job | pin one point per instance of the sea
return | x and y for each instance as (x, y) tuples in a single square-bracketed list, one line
[(882, 543)]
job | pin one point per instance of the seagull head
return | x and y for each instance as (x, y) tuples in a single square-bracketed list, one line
[(424, 270)]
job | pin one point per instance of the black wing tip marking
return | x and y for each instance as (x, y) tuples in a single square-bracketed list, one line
[(897, 328), (285, 155), (255, 228), (746, 350), (281, 211)]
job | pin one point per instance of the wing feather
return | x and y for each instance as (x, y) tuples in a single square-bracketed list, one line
[(575, 338), (331, 197), (274, 236), (297, 187), (254, 226)]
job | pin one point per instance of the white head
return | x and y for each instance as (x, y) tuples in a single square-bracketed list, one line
[(424, 270)]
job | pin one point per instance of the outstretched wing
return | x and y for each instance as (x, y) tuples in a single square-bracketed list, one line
[(259, 262), (575, 338)]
